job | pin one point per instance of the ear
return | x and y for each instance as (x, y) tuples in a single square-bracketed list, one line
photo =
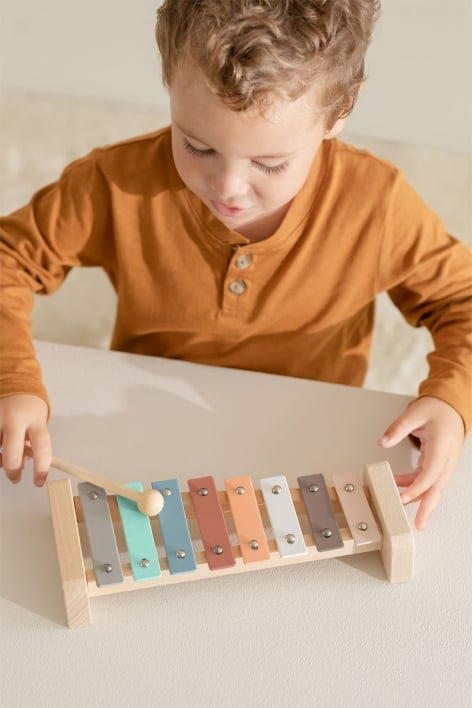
[(336, 129), (339, 125)]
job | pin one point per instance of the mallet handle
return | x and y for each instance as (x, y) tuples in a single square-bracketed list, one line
[(97, 479)]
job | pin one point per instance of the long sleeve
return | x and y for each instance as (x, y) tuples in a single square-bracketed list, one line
[(62, 226), (428, 275)]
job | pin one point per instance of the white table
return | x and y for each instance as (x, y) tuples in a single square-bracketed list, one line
[(330, 633)]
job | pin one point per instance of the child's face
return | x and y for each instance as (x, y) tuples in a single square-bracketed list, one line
[(245, 167)]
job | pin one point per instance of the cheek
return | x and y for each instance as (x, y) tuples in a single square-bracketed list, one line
[(286, 186), (299, 175), (186, 165)]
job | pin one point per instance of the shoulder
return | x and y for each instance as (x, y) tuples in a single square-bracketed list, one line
[(360, 167), (150, 143), (365, 182), (145, 153), (132, 163)]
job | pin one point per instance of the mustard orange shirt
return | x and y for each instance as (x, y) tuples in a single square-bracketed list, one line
[(300, 303)]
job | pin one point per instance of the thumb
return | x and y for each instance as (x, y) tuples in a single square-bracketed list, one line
[(403, 426)]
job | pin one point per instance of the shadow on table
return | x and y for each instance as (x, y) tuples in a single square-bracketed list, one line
[(30, 575)]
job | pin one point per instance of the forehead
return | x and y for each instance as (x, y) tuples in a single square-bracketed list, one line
[(283, 126)]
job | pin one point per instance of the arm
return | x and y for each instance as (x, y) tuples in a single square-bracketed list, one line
[(430, 281), (39, 244)]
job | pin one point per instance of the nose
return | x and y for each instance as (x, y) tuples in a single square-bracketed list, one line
[(226, 182)]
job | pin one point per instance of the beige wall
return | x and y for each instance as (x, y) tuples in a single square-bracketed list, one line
[(419, 87), (418, 62)]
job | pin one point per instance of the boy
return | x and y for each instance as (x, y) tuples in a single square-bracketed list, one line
[(245, 235)]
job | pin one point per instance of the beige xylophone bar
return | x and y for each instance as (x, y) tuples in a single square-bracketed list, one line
[(105, 545)]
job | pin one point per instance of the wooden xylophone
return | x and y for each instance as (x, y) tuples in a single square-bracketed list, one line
[(105, 545)]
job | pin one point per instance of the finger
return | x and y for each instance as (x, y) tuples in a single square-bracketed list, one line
[(404, 480), (428, 504), (12, 454), (13, 473), (407, 424), (42, 453), (436, 466)]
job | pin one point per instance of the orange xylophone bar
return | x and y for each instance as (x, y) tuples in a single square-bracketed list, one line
[(206, 533)]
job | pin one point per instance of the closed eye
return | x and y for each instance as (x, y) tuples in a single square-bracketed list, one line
[(208, 152), (270, 169), (196, 151)]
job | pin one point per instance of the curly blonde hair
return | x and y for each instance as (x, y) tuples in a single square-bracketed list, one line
[(255, 51)]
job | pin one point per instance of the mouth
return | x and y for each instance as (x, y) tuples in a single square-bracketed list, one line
[(227, 209)]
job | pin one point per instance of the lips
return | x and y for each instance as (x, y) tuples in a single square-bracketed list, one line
[(227, 209)]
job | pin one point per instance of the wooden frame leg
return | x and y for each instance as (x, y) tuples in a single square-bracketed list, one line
[(398, 549), (69, 553)]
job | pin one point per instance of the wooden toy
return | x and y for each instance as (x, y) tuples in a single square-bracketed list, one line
[(149, 502), (105, 545)]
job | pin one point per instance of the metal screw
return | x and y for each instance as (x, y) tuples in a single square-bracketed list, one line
[(290, 538), (180, 553), (108, 567), (313, 488), (349, 487), (167, 492), (362, 526), (326, 533), (276, 489), (254, 545), (203, 492), (240, 490), (93, 495), (217, 550), (144, 563)]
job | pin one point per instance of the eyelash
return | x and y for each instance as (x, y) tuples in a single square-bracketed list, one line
[(266, 169)]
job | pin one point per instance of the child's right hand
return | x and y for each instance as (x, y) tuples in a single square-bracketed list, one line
[(23, 419)]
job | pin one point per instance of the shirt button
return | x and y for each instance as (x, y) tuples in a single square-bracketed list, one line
[(237, 287), (243, 261)]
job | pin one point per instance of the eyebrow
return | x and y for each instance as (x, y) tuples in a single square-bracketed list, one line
[(257, 157)]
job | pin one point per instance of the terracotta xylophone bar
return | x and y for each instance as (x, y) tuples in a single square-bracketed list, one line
[(309, 523)]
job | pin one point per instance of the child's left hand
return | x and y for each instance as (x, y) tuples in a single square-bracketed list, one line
[(440, 431)]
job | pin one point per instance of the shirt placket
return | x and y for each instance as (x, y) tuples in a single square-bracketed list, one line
[(238, 283)]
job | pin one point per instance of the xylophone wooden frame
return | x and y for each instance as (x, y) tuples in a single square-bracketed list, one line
[(79, 586)]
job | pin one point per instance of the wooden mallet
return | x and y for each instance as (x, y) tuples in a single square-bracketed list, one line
[(150, 502)]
